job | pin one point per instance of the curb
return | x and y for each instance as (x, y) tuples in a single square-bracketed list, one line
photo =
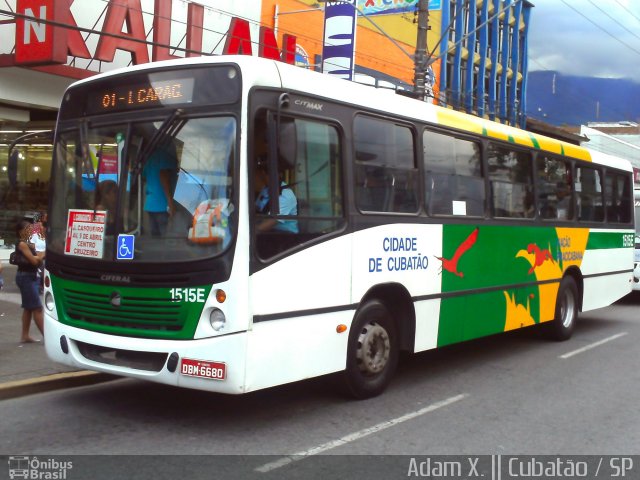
[(21, 388)]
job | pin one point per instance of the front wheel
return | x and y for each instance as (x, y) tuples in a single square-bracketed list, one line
[(372, 353), (564, 322)]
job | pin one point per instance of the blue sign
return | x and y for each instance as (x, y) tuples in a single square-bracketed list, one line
[(339, 43), (125, 247), (380, 7)]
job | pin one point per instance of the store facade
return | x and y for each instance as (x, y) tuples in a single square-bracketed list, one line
[(39, 59), (477, 59)]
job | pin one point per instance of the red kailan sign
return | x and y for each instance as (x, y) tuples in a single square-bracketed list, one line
[(40, 38)]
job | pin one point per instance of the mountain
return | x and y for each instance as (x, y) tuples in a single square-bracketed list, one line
[(570, 100)]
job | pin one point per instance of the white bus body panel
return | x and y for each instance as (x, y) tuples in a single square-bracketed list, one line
[(283, 349), (600, 291), (291, 349), (379, 255)]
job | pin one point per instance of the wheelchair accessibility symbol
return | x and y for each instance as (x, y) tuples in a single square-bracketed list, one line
[(125, 247)]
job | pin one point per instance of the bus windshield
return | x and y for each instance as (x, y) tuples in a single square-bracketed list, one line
[(148, 191)]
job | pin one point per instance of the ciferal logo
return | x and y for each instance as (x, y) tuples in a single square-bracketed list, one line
[(107, 277), (21, 466)]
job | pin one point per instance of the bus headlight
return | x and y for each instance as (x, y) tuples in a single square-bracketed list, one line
[(48, 301), (217, 319)]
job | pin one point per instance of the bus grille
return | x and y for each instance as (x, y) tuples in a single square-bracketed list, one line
[(148, 361), (137, 315)]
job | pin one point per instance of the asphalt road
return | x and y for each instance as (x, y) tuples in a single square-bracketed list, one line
[(511, 394)]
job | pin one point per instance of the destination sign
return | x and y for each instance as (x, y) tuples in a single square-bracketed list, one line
[(142, 95)]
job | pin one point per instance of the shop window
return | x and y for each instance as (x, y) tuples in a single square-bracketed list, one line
[(24, 185)]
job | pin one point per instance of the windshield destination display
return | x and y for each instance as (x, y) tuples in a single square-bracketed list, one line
[(152, 94)]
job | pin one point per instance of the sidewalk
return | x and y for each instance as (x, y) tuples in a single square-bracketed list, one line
[(25, 368)]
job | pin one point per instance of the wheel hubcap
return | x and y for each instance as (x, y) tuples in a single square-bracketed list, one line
[(373, 349), (567, 309)]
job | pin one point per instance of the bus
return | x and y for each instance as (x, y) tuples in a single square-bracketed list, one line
[(407, 227), (636, 258)]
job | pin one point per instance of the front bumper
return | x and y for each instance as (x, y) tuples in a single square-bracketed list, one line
[(148, 359)]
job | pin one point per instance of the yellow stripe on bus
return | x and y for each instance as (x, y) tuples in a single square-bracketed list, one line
[(479, 126), (576, 152)]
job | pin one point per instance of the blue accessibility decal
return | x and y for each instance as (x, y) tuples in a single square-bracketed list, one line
[(125, 247)]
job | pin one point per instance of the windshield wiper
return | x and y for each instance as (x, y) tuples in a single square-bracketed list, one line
[(82, 160), (97, 185), (169, 129)]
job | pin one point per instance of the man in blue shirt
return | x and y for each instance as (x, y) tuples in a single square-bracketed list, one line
[(160, 172), (288, 204)]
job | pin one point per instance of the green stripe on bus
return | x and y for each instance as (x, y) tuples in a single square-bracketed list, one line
[(605, 240), (534, 141)]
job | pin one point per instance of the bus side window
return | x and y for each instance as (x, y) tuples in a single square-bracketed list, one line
[(555, 192), (454, 180), (385, 166), (310, 176), (317, 178), (626, 200), (589, 194), (511, 179), (617, 198)]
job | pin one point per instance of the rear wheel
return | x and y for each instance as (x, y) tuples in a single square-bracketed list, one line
[(562, 326), (372, 354)]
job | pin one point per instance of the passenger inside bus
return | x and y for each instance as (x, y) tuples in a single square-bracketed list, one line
[(564, 210), (107, 197), (288, 203), (160, 174)]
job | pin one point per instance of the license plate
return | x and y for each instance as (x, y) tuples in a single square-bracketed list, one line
[(203, 369)]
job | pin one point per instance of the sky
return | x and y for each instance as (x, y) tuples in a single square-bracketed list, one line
[(594, 38)]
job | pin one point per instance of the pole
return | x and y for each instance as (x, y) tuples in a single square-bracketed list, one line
[(420, 57)]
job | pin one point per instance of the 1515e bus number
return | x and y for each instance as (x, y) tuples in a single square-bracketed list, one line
[(188, 295)]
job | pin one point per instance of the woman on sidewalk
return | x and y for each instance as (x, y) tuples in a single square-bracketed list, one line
[(27, 280)]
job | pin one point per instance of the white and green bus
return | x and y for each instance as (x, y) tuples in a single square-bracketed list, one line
[(636, 258), (413, 227)]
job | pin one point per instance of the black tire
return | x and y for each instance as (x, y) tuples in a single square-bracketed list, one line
[(566, 316), (372, 353)]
